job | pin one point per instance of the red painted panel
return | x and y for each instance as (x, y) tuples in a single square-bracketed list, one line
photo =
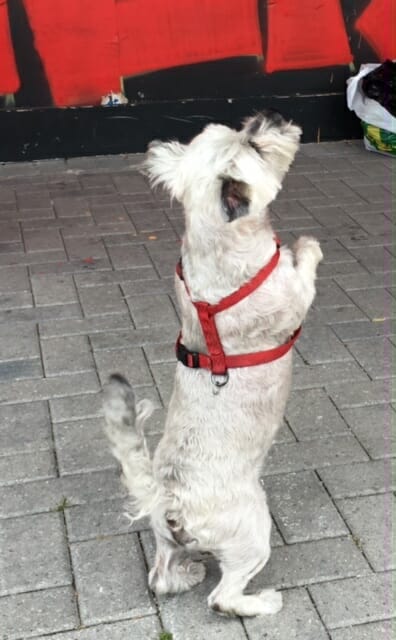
[(78, 44), (378, 25), (9, 79), (305, 35), (157, 34)]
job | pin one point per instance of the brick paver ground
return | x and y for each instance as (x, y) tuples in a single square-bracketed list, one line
[(86, 261)]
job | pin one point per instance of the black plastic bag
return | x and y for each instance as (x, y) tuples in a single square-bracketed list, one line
[(380, 85)]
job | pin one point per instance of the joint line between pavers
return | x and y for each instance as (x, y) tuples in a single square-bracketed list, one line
[(352, 535)]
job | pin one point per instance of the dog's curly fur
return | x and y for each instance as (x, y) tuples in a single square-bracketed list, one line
[(202, 488)]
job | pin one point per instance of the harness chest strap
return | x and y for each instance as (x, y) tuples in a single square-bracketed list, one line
[(216, 360)]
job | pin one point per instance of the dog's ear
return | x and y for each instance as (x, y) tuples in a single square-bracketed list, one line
[(273, 137), (162, 166)]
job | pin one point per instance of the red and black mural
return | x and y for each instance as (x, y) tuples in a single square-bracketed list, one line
[(72, 52)]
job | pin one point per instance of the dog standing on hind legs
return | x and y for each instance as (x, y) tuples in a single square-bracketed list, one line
[(242, 301)]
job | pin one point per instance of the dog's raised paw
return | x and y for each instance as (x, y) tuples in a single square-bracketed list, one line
[(308, 245)]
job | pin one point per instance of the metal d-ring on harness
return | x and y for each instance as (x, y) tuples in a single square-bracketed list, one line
[(216, 360)]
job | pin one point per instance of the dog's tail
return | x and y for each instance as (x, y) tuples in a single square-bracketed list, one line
[(125, 429)]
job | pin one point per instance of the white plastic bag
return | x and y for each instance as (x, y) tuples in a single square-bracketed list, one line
[(366, 109)]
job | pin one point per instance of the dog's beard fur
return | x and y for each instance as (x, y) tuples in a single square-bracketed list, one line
[(202, 489)]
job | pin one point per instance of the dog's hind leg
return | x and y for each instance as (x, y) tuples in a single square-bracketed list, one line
[(238, 569), (241, 558), (174, 571)]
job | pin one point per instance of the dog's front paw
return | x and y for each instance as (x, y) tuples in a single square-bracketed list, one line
[(307, 245)]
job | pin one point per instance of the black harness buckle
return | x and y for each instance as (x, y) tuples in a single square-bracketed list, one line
[(188, 358)]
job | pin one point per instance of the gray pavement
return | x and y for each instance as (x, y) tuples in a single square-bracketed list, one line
[(87, 254)]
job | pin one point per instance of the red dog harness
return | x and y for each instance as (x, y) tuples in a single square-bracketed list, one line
[(217, 361)]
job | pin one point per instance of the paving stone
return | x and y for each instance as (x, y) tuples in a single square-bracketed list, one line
[(311, 562), (359, 479), (289, 210), (94, 521), (57, 386), (25, 615), (10, 232), (372, 631), (319, 345), (375, 259), (375, 427), (130, 362), (338, 191), (164, 375), (357, 394), (370, 520), (25, 467), (111, 579), (186, 615), (25, 427), (164, 256), (330, 270), (363, 329), (152, 310), (146, 628), (73, 267), (28, 564), (98, 230), (125, 256), (85, 248), (149, 221), (285, 434), (313, 454), (131, 184), (331, 216), (66, 355), (75, 408), (101, 300), (109, 213), (56, 494), (121, 276), (363, 238), (53, 289), (75, 450), (39, 240), (18, 300), (376, 224), (20, 370), (14, 279), (149, 287), (37, 257), (312, 415), (320, 375), (330, 295), (354, 601), (18, 342), (373, 193), (341, 315), (33, 200), (302, 508), (297, 620), (375, 356), (83, 326), (69, 206), (156, 353)]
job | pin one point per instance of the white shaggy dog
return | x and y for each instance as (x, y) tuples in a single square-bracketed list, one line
[(202, 489)]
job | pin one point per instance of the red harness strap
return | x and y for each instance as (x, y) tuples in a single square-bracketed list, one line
[(217, 361)]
